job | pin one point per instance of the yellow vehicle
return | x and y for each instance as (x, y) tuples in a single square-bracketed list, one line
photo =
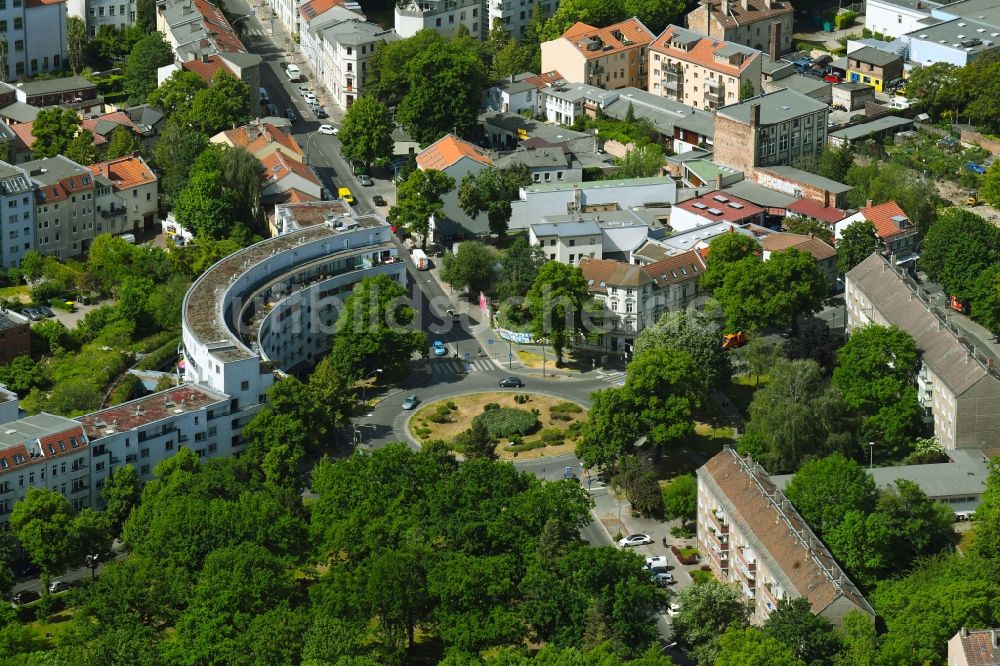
[(973, 200), (345, 194)]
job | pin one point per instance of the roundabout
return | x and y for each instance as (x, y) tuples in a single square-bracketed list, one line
[(524, 424)]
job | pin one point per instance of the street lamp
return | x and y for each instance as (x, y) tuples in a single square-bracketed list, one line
[(871, 455), (364, 387)]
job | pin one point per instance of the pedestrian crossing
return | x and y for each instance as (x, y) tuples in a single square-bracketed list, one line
[(458, 367), (616, 378)]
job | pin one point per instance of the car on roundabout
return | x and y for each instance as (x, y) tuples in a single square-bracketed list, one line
[(439, 348), (511, 382), (329, 130), (410, 401)]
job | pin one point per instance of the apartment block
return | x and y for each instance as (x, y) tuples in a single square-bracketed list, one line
[(873, 67), (765, 25), (958, 385), (127, 195), (701, 71), (443, 16), (611, 57), (564, 102), (116, 14), (514, 15), (755, 539), (35, 32), (44, 451), (341, 59), (64, 206), (15, 340), (776, 128), (17, 208)]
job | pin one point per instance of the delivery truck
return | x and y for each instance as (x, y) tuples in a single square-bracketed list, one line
[(420, 259)]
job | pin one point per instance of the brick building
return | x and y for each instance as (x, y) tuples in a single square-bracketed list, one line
[(765, 25), (15, 336)]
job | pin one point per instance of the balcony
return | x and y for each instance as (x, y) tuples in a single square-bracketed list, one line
[(773, 594), (746, 571), (717, 519), (114, 212)]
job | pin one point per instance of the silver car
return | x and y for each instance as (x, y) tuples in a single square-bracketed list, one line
[(410, 401)]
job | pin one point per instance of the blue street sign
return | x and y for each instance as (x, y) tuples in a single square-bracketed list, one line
[(253, 12), (510, 355), (467, 356), (490, 341)]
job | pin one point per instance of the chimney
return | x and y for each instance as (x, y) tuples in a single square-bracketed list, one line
[(774, 46), (826, 199), (718, 181), (725, 7), (868, 204), (754, 115), (745, 4)]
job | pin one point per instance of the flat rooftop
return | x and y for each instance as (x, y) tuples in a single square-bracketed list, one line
[(203, 303), (600, 184), (148, 409), (10, 320), (30, 428), (775, 107), (967, 35)]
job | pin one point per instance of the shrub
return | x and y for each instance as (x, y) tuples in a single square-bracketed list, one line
[(573, 430), (422, 432), (43, 292), (844, 20), (552, 436), (527, 446), (507, 422), (699, 576), (126, 389), (681, 532), (160, 358), (491, 405), (452, 406), (566, 408), (561, 417), (438, 417), (685, 555)]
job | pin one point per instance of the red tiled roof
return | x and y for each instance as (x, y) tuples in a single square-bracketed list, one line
[(731, 209), (633, 31), (881, 216), (116, 117), (676, 269), (254, 138), (218, 27), (62, 443), (702, 53), (813, 208), (298, 196), (757, 10), (980, 648), (10, 455), (448, 150), (312, 9), (206, 70), (125, 172), (545, 79), (23, 132), (277, 165)]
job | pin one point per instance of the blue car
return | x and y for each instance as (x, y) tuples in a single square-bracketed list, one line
[(439, 349), (972, 166)]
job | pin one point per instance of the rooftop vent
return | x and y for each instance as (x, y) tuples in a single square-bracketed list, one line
[(715, 211), (699, 205), (735, 205), (720, 198)]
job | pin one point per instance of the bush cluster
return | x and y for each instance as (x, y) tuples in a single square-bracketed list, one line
[(506, 422)]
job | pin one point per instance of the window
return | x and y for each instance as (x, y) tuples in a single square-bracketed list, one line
[(213, 447), (245, 385), (144, 470), (572, 242), (169, 446), (3, 26), (111, 10), (19, 45), (18, 23), (572, 257)]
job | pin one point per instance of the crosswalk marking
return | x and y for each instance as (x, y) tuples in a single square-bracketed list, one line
[(453, 367), (614, 378)]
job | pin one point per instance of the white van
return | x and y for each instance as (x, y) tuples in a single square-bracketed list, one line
[(128, 238), (293, 73)]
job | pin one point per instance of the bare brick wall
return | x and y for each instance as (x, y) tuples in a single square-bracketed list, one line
[(733, 144)]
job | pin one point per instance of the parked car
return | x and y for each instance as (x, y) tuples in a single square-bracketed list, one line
[(977, 168), (32, 314), (366, 181), (291, 115), (378, 200), (673, 609), (59, 586), (439, 348), (656, 561), (328, 129), (832, 78), (410, 402), (569, 473), (663, 579), (511, 382), (45, 310), (345, 194), (321, 113), (454, 316), (25, 597), (635, 540)]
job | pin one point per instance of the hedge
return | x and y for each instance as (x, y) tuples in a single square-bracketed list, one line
[(566, 408), (161, 357), (507, 422)]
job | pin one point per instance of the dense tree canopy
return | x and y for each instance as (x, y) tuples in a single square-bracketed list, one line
[(366, 133), (470, 268), (149, 54), (825, 489), (418, 199), (856, 244), (557, 301), (519, 264), (958, 248), (490, 191)]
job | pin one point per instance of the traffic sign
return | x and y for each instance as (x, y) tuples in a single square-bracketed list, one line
[(490, 341), (510, 355), (467, 356), (253, 12)]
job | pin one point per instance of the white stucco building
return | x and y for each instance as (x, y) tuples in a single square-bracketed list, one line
[(35, 31), (443, 16), (538, 201)]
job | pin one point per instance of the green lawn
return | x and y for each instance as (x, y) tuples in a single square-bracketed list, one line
[(20, 292)]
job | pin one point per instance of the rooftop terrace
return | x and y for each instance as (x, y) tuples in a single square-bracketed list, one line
[(146, 410)]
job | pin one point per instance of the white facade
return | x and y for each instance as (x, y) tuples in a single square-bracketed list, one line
[(895, 18), (17, 214), (443, 16), (563, 103), (514, 15), (36, 37), (567, 242), (342, 50), (118, 14)]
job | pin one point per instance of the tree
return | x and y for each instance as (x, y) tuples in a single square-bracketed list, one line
[(753, 647), (917, 525), (490, 191), (470, 268), (655, 15), (664, 385), (123, 142), (519, 265), (366, 133), (418, 199), (810, 637), (497, 38), (241, 175), (43, 524), (825, 489), (204, 205), (758, 356), (680, 498), (707, 610), (809, 226), (987, 537), (747, 89), (22, 374), (277, 447), (798, 415), (889, 181), (958, 248), (174, 154), (875, 372), (989, 190), (478, 442), (856, 244), (557, 300), (373, 330), (76, 37), (176, 95), (223, 105), (149, 54), (641, 162), (510, 60), (638, 479), (698, 335), (120, 493), (611, 429), (81, 148), (54, 129), (724, 250), (591, 12), (935, 88), (799, 286), (834, 163)]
